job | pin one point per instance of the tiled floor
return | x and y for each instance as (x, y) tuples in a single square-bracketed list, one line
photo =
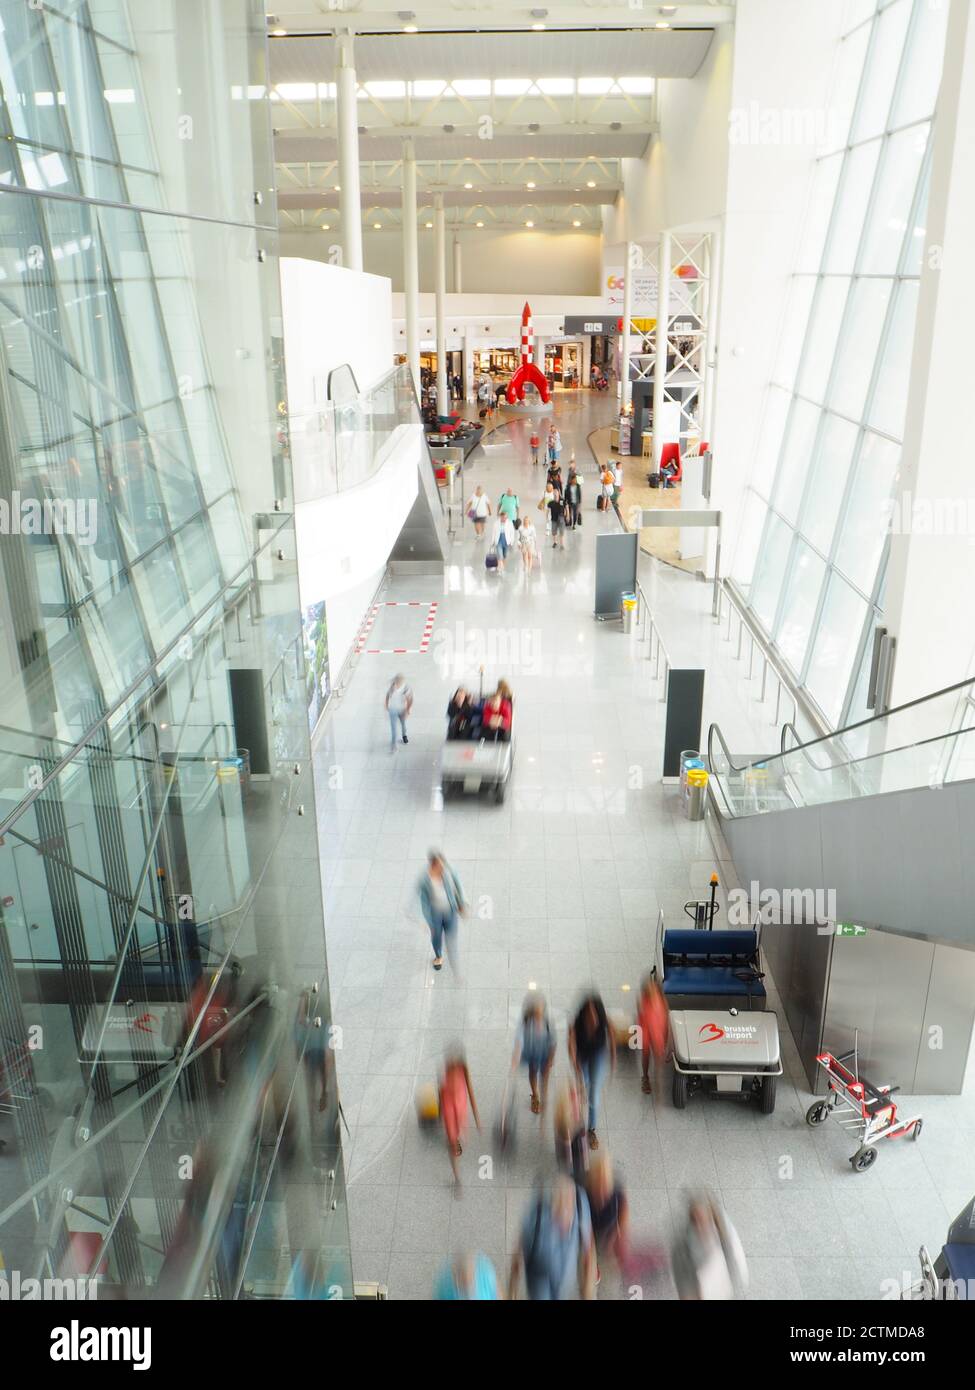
[(566, 879)]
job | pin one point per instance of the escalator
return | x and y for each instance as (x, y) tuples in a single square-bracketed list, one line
[(879, 812), (858, 844)]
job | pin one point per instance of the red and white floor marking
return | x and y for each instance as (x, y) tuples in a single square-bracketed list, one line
[(363, 637)]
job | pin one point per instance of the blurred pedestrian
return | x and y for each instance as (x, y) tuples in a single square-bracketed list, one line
[(508, 503), (503, 538), (555, 1249), (573, 498), (653, 1022), (609, 1211), (556, 514), (571, 1144), (535, 1049), (442, 903), (528, 541), (479, 510), (534, 444), (456, 1092), (470, 1278), (399, 703), (592, 1052), (708, 1259)]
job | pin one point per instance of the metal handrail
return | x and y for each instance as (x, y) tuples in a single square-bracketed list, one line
[(789, 728), (746, 624), (649, 632)]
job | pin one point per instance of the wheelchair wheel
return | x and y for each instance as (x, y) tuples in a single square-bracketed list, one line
[(817, 1113), (863, 1159)]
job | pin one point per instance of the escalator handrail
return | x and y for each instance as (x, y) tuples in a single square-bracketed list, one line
[(958, 686), (789, 728)]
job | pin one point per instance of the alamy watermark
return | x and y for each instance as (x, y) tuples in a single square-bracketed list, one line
[(16, 1288), (755, 124), (908, 515), (789, 906), (50, 516)]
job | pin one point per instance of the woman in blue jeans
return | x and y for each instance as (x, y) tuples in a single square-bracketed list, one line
[(592, 1054), (442, 902)]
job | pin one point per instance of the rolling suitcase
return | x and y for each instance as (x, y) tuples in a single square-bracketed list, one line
[(491, 560)]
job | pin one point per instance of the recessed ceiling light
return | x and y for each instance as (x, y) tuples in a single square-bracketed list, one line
[(661, 24), (529, 185), (591, 183), (479, 224), (326, 227), (537, 27), (377, 226), (668, 9), (337, 187), (468, 185), (577, 224), (279, 33), (429, 225), (529, 224), (409, 29)]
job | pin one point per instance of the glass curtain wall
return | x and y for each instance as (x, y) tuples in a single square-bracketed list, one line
[(168, 1111), (812, 550)]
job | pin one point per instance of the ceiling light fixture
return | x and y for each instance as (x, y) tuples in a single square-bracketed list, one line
[(429, 225), (661, 24), (468, 185), (529, 185), (326, 227), (529, 224), (577, 224), (538, 27), (279, 33), (591, 183), (478, 224), (377, 226), (337, 187)]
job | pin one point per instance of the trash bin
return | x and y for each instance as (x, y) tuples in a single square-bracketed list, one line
[(697, 791), (628, 611), (689, 758)]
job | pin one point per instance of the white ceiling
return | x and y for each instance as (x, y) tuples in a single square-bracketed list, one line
[(580, 53)]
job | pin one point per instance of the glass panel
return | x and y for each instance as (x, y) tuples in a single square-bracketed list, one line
[(851, 206), (926, 45), (769, 569), (777, 404), (867, 513), (914, 255), (890, 212), (799, 605), (827, 481), (750, 535), (835, 647), (818, 213), (820, 344), (883, 63), (796, 453), (846, 84), (889, 403), (794, 330), (855, 12), (862, 328)]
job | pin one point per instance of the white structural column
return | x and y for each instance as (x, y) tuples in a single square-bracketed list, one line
[(626, 386), (660, 355), (710, 382), (350, 202), (440, 285), (411, 266), (458, 267)]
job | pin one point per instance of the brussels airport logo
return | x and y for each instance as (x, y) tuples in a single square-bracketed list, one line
[(16, 1288), (459, 649), (775, 907), (754, 124), (50, 516), (908, 515)]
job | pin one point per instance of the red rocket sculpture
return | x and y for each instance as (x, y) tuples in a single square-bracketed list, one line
[(529, 370)]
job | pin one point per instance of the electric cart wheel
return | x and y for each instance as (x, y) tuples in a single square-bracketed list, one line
[(499, 793), (768, 1094), (817, 1113), (863, 1159), (916, 1131), (445, 789), (679, 1092)]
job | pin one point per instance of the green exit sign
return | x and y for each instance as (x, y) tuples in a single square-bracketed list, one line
[(850, 929)]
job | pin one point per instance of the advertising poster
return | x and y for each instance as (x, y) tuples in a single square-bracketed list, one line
[(315, 637)]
